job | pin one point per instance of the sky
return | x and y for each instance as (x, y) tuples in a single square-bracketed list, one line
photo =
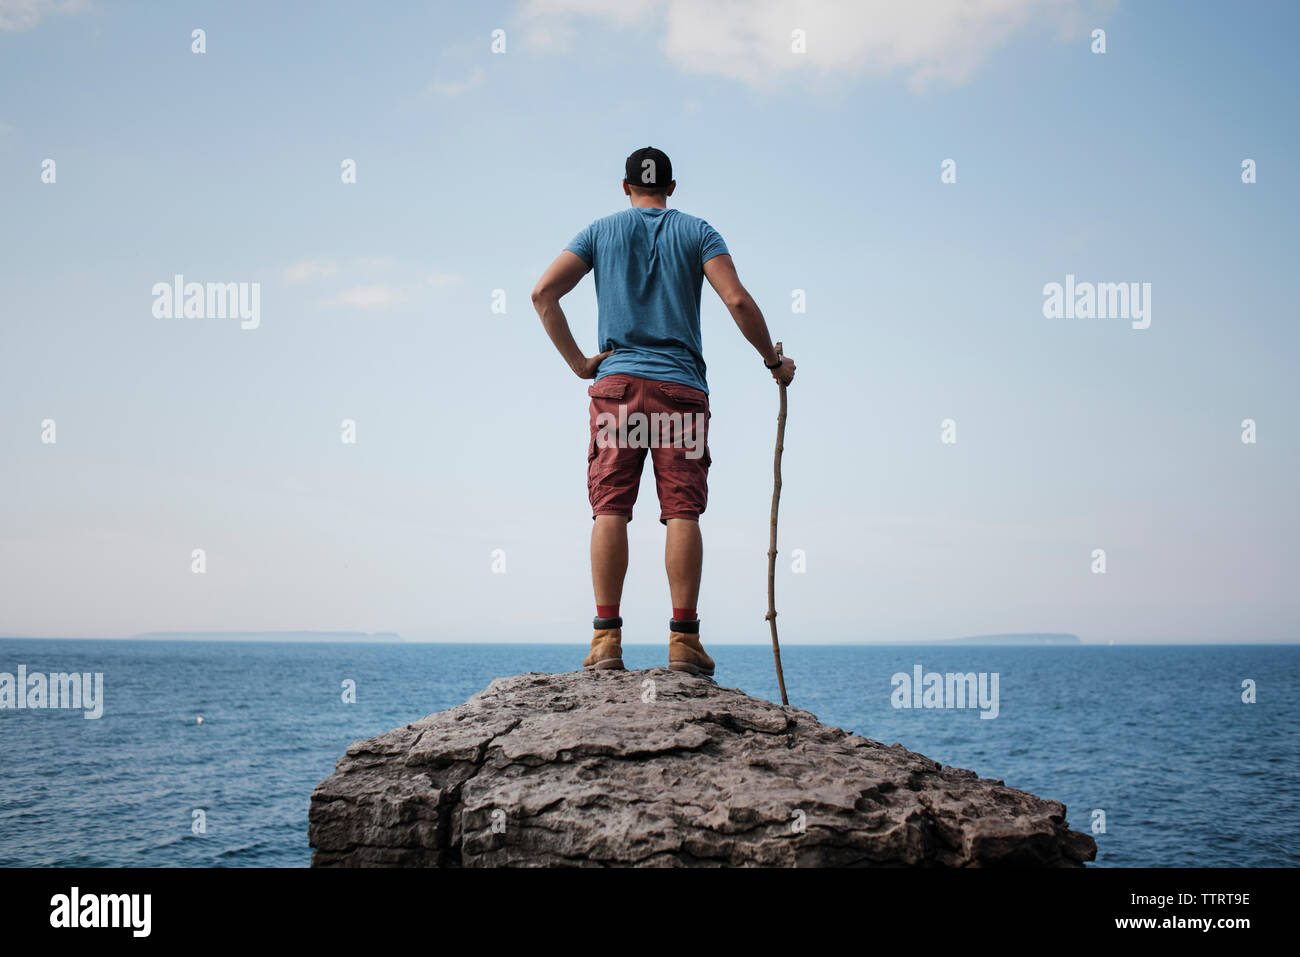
[(815, 138)]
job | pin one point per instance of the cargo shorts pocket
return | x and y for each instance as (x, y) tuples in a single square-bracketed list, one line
[(684, 394), (610, 387), (688, 424)]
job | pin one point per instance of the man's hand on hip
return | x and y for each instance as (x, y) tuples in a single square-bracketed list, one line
[(587, 367)]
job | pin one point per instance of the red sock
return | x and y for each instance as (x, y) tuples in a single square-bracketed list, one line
[(684, 614), (607, 611)]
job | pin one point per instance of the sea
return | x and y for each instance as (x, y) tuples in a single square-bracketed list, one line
[(1171, 756)]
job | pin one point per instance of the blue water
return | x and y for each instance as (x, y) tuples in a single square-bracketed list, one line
[(1157, 737)]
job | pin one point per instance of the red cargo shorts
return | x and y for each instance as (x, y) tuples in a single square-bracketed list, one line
[(631, 416)]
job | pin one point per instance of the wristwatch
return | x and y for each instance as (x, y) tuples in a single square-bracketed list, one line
[(777, 365)]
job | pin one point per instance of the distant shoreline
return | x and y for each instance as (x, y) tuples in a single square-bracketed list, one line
[(1022, 639), (271, 636), (387, 638)]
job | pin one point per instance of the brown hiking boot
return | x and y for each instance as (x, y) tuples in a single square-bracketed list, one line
[(606, 646), (684, 650)]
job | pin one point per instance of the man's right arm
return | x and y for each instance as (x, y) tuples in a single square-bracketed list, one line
[(721, 273), (558, 280)]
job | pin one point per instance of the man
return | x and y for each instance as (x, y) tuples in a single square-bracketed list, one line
[(650, 262)]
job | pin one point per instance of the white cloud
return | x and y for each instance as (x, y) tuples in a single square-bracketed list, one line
[(310, 269), (441, 280), (320, 268), (554, 36), (452, 88), (750, 40), (380, 296), (547, 26), (410, 282), (18, 15)]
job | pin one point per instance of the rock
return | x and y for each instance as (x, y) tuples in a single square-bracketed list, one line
[(658, 768)]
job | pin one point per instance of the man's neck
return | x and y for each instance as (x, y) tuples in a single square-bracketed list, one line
[(649, 202)]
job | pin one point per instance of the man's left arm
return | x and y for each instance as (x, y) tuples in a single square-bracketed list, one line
[(560, 277)]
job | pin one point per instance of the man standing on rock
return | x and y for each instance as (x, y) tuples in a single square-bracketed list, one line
[(650, 393)]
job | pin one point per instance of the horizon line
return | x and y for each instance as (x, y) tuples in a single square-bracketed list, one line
[(948, 642)]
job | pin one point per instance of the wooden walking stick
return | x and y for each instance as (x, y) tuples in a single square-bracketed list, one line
[(771, 548)]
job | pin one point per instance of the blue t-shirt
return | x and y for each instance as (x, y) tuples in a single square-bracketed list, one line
[(649, 269)]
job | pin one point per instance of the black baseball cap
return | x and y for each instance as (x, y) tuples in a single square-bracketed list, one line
[(648, 167)]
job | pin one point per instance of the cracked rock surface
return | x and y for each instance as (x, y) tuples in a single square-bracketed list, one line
[(601, 768)]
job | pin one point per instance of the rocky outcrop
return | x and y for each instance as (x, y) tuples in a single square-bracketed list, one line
[(658, 768)]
